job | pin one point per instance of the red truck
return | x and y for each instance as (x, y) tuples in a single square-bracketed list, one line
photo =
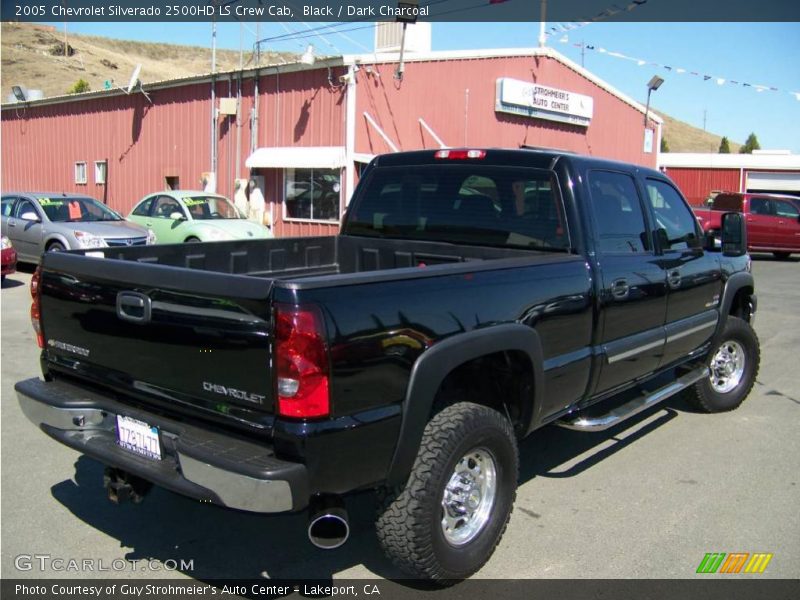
[(773, 220)]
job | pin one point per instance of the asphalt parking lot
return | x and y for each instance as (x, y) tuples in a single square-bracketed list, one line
[(646, 500)]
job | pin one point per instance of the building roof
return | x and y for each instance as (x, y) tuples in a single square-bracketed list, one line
[(702, 160), (348, 60)]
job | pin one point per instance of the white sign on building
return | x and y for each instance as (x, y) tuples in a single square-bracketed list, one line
[(543, 102)]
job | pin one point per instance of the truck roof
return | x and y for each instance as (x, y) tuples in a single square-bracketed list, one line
[(541, 158)]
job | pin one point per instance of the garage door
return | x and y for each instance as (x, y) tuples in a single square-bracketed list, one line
[(788, 183)]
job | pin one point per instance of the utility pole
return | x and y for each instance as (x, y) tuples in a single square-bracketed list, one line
[(542, 23)]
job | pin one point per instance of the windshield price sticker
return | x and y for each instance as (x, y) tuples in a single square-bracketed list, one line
[(138, 437)]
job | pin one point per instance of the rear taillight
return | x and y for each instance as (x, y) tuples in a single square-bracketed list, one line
[(301, 362), (36, 306), (460, 154)]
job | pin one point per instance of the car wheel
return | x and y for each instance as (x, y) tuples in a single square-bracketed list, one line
[(733, 367), (192, 240), (56, 247), (446, 521), (782, 255)]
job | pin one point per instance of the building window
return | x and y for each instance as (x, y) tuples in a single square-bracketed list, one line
[(100, 168), (312, 194), (80, 172)]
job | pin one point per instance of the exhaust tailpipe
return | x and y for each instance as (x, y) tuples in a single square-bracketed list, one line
[(121, 486), (328, 525)]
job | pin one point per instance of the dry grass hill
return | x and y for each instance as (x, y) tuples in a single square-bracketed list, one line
[(683, 137), (33, 55)]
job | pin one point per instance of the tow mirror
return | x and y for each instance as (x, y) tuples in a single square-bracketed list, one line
[(734, 234)]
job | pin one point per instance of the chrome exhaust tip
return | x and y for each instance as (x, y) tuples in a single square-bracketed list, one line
[(328, 525)]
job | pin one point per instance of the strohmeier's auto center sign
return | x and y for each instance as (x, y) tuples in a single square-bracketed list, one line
[(542, 102)]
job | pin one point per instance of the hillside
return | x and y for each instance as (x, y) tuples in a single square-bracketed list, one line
[(683, 137), (30, 58)]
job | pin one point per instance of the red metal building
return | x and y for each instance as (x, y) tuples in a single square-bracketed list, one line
[(305, 131), (698, 175)]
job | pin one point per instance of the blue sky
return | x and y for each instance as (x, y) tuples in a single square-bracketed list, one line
[(762, 54)]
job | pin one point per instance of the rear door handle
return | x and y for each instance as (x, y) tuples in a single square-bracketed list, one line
[(620, 289), (674, 278)]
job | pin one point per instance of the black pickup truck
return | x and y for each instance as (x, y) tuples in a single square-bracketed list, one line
[(472, 297)]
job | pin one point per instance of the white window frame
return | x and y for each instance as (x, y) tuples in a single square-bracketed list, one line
[(80, 166), (289, 219), (100, 174)]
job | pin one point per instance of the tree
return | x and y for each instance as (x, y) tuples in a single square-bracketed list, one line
[(80, 86), (724, 146), (664, 145), (750, 144)]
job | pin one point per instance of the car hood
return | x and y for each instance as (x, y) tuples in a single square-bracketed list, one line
[(107, 229), (236, 228)]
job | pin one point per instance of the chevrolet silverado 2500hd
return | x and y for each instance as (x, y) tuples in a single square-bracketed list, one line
[(472, 297)]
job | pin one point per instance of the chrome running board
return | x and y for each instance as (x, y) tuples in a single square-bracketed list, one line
[(580, 422)]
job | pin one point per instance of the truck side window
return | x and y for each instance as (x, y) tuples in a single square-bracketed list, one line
[(760, 206), (673, 217), (785, 209), (619, 221)]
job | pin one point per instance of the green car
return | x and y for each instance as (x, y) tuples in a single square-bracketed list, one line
[(189, 216)]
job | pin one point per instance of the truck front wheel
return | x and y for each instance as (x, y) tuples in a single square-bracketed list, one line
[(733, 367), (445, 523)]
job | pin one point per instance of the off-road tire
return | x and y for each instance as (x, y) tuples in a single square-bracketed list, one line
[(409, 524), (702, 394)]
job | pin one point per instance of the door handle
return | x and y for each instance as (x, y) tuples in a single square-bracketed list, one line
[(620, 289), (674, 278), (134, 307)]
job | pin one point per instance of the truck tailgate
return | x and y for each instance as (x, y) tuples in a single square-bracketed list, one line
[(186, 339)]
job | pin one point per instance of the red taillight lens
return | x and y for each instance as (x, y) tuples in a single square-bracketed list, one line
[(460, 154), (301, 362), (36, 308)]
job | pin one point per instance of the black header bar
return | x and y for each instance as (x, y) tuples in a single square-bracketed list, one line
[(392, 10)]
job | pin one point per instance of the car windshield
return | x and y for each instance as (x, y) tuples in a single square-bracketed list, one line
[(211, 207), (66, 209)]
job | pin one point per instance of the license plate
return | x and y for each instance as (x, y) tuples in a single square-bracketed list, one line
[(138, 437)]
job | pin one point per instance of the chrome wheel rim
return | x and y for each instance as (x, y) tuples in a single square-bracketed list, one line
[(727, 367), (469, 497)]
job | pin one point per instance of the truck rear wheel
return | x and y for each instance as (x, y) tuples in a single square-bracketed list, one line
[(733, 367), (445, 523)]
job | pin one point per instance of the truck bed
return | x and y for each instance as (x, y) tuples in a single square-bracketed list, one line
[(289, 258), (214, 311)]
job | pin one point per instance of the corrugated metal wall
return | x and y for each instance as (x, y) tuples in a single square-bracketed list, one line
[(146, 143), (302, 108), (456, 98), (696, 184), (142, 143)]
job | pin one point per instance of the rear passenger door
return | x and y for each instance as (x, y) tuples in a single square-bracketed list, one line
[(632, 286), (694, 283), (762, 224), (788, 224)]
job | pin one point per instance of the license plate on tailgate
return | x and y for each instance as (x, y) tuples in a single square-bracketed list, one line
[(138, 437)]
